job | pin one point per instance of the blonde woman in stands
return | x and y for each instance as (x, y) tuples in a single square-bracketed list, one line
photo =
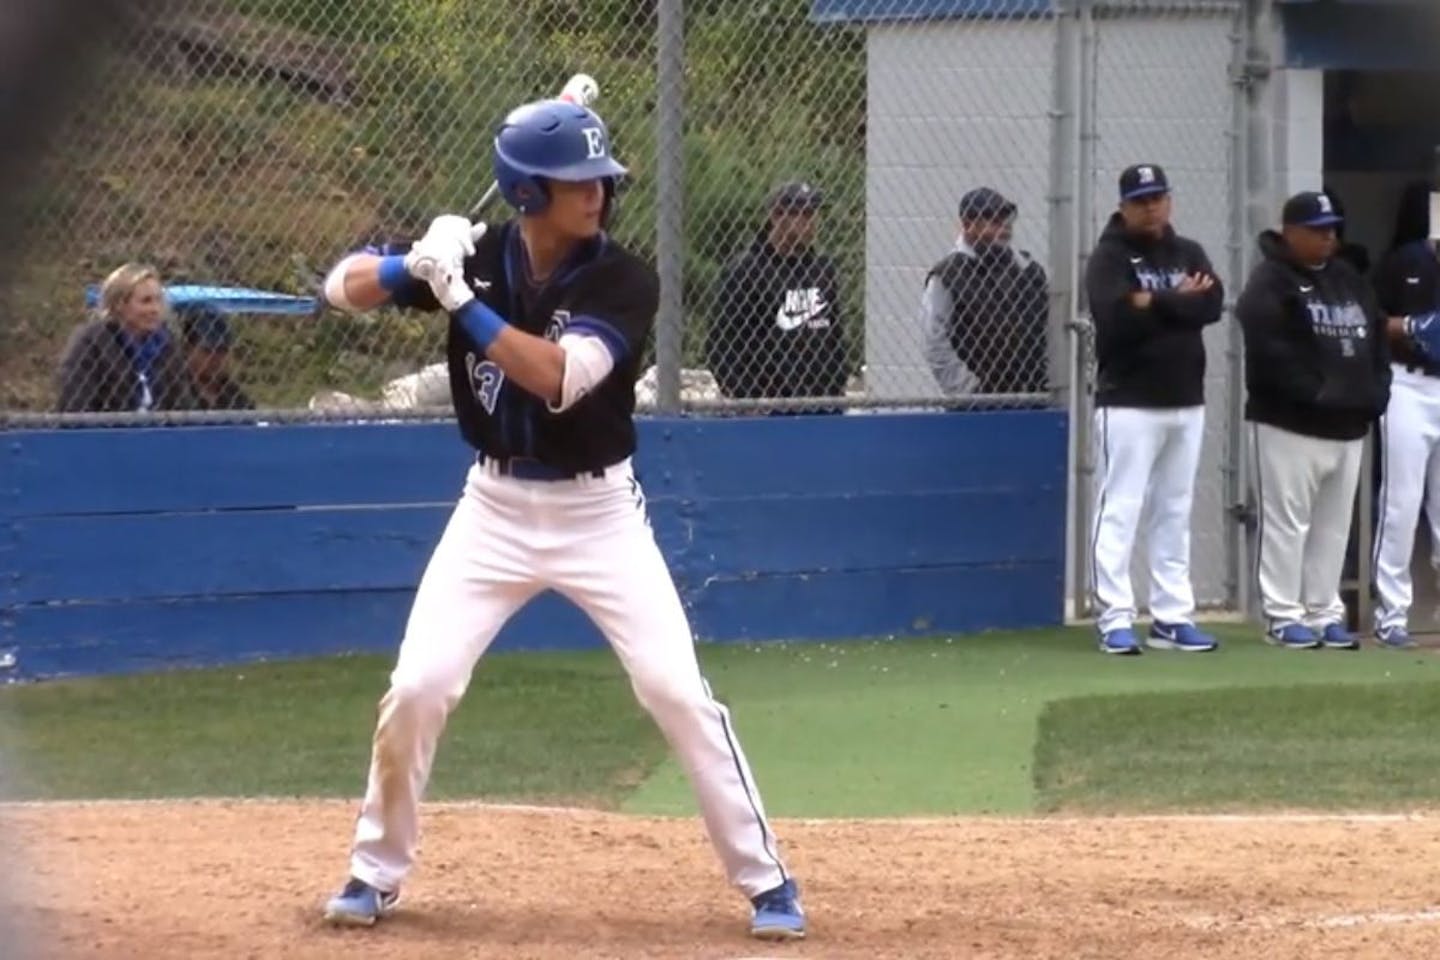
[(125, 359)]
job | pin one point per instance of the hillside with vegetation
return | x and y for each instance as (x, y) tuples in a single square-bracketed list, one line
[(251, 142)]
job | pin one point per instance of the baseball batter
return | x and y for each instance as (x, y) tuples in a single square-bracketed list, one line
[(548, 317), (1407, 285)]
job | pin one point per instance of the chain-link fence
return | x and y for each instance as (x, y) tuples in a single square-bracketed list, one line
[(798, 170), (850, 203)]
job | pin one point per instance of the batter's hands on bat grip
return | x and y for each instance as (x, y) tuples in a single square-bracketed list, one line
[(1423, 329), (446, 277), (449, 237)]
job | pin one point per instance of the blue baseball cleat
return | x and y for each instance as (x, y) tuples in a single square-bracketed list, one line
[(1179, 636), (1396, 638), (1292, 636), (778, 915), (360, 905), (1336, 637), (1119, 641)]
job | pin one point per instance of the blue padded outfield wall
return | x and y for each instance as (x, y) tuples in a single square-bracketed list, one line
[(126, 549)]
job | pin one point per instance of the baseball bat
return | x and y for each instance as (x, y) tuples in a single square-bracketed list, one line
[(1435, 197), (581, 89)]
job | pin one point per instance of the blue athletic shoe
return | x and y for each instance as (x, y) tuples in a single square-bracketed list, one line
[(1119, 641), (360, 905), (1179, 636), (1396, 638), (1336, 637), (778, 915), (1293, 636)]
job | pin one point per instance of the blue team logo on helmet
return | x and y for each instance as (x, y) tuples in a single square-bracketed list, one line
[(550, 140)]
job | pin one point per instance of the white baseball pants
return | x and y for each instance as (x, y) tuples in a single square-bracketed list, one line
[(1410, 478), (1147, 461), (1306, 489), (588, 539)]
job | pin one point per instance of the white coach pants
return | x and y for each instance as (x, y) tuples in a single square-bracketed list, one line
[(1306, 491), (1410, 478), (1147, 460), (589, 540)]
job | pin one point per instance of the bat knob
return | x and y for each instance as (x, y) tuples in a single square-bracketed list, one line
[(580, 89)]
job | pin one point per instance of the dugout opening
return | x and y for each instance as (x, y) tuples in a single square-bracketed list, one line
[(1381, 135)]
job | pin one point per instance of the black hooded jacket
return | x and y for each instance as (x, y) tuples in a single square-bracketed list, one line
[(776, 329), (1317, 360), (1151, 356)]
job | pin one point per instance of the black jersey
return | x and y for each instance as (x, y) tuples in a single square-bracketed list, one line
[(602, 290)]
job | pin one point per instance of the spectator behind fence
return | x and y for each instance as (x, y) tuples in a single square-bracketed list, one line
[(1317, 377), (985, 306), (208, 339), (776, 330), (125, 359), (1152, 292)]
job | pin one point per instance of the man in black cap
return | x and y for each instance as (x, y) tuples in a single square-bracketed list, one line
[(1151, 294), (207, 337), (1317, 377), (985, 306), (776, 329)]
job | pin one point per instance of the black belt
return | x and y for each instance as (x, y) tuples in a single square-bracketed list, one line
[(1422, 369), (527, 468)]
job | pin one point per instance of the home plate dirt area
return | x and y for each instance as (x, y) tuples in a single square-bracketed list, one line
[(213, 879)]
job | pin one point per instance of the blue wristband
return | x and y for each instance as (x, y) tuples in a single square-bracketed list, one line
[(393, 274), (480, 322)]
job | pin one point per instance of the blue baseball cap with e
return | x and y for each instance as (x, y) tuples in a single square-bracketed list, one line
[(1143, 180)]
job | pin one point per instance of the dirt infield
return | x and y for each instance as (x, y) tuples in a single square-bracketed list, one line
[(219, 879)]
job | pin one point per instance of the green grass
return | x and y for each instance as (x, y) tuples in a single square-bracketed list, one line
[(532, 729), (999, 723), (1362, 746)]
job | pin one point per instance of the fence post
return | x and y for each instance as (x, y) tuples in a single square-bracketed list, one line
[(669, 191), (1253, 186), (1067, 369), (1237, 584), (1082, 79)]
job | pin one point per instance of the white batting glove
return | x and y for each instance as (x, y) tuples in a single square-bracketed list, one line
[(448, 237), (447, 282)]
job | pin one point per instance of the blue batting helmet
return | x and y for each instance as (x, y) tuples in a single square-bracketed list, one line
[(551, 140)]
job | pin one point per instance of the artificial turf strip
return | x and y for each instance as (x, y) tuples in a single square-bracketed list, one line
[(929, 727), (552, 728), (1334, 747)]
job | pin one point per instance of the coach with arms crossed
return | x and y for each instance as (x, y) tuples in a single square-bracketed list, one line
[(1152, 293), (1317, 376)]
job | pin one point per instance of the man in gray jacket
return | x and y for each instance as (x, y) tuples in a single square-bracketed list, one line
[(985, 306)]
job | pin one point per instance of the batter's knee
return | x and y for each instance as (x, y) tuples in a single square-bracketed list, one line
[(666, 695), (417, 699)]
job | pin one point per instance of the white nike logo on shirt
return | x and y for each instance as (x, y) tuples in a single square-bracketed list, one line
[(800, 307)]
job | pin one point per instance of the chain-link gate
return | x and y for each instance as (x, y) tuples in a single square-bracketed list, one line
[(1158, 87)]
